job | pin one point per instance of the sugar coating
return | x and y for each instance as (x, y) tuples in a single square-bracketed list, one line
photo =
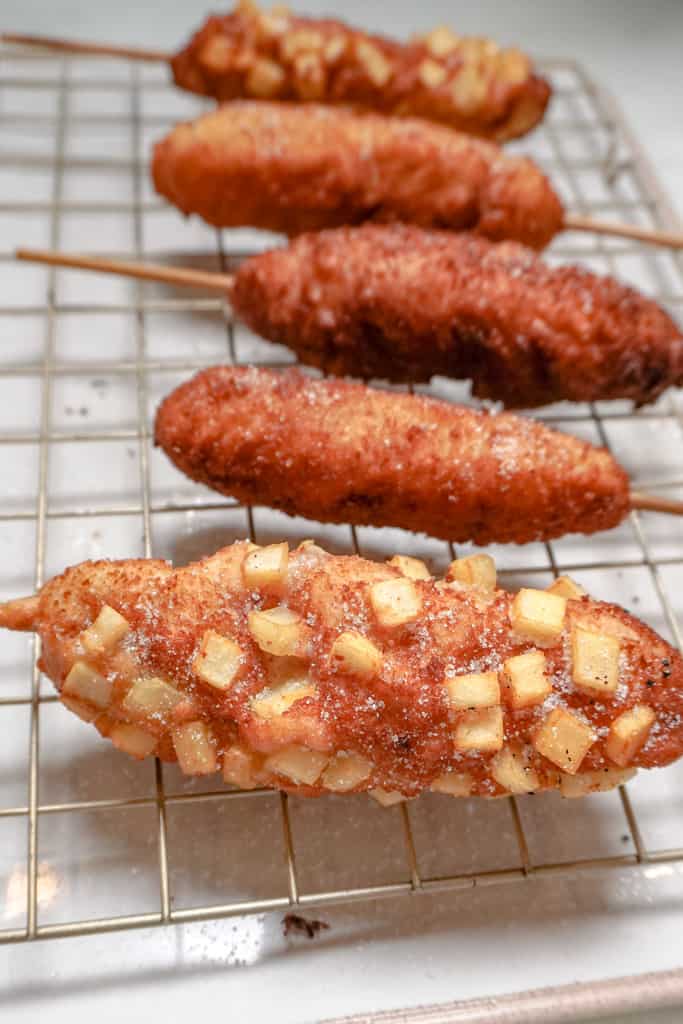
[(399, 718), (339, 451)]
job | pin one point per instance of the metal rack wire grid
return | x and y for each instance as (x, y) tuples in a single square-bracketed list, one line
[(98, 353)]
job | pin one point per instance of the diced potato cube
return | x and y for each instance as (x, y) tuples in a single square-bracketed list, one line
[(82, 681), (441, 41), (414, 568), (239, 768), (395, 602), (480, 730), (299, 764), (265, 78), (453, 784), (278, 631), (194, 749), (84, 711), (594, 782), (512, 770), (345, 772), (595, 662), (475, 570), (376, 65), (628, 733), (334, 48), (218, 660), (565, 586), (525, 681), (387, 797), (266, 567), (300, 41), (217, 54), (476, 690), (108, 630), (275, 22), (432, 74), (537, 615), (151, 695), (356, 654), (469, 88), (132, 740), (564, 739), (274, 701)]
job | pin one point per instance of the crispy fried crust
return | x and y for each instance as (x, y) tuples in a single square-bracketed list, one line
[(397, 302), (467, 83), (292, 168), (342, 452), (399, 717)]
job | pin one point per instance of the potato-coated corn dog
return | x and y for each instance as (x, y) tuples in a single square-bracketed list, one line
[(342, 452), (401, 303), (314, 673), (467, 83), (292, 168)]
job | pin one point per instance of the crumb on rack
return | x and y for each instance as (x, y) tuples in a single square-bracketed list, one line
[(295, 924)]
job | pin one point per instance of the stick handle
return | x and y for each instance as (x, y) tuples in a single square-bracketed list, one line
[(20, 614), (92, 49), (129, 268), (653, 503), (672, 239)]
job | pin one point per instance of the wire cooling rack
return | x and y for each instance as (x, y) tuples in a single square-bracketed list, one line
[(90, 842)]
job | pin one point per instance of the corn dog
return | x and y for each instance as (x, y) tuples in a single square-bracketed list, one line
[(342, 452), (397, 302), (292, 168), (467, 83), (403, 303), (313, 673)]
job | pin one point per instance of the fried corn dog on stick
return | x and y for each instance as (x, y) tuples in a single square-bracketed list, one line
[(313, 673), (291, 168), (401, 303), (342, 452), (468, 83)]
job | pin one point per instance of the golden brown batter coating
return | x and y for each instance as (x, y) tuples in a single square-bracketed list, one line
[(342, 452), (467, 83), (314, 673), (397, 302), (292, 168)]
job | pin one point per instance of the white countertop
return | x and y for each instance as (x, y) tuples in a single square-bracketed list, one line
[(242, 968)]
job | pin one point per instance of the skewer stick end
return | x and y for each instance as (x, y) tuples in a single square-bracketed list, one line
[(75, 46), (652, 236), (20, 614), (653, 503)]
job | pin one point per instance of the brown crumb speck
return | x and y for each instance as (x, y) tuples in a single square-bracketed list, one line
[(295, 924)]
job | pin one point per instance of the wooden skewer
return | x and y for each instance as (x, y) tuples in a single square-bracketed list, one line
[(222, 283), (130, 268), (653, 503), (92, 49), (671, 239)]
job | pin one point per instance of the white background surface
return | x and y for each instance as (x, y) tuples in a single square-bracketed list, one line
[(419, 950)]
